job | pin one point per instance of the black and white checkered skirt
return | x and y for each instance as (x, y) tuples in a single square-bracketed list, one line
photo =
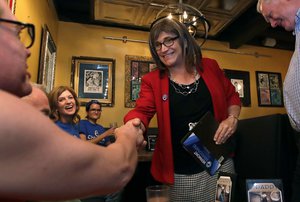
[(200, 187)]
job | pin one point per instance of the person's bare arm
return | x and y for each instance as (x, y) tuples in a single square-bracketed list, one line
[(97, 139), (40, 161)]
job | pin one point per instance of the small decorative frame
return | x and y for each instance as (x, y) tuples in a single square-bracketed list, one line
[(46, 73), (225, 187), (151, 141), (152, 134), (269, 89), (240, 79), (12, 5), (93, 78), (135, 68)]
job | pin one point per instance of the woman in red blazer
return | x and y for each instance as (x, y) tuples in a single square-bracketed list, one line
[(180, 91)]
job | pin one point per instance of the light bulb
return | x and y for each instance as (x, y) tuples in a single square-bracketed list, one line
[(185, 15)]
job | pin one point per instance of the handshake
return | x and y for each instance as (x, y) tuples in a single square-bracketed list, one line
[(134, 130)]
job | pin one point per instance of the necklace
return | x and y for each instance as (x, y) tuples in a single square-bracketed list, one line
[(185, 89)]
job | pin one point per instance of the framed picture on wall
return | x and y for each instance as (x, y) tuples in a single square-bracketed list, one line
[(12, 5), (47, 63), (135, 68), (93, 78), (269, 89), (241, 82)]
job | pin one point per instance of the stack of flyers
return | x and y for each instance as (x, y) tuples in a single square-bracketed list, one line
[(200, 144), (195, 147)]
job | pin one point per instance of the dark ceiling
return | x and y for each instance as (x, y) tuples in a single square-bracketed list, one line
[(233, 21)]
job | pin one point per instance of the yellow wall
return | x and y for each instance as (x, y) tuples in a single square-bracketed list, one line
[(74, 39), (86, 40), (277, 61), (39, 13)]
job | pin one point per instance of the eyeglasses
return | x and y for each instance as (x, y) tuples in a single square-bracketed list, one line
[(168, 42), (27, 37), (95, 110)]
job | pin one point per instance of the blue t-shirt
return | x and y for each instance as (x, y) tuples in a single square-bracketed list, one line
[(91, 131), (72, 129)]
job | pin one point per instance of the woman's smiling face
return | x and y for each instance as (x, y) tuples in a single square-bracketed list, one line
[(169, 55), (66, 104)]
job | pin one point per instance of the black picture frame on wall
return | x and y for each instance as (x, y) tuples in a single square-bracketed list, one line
[(241, 81), (269, 89)]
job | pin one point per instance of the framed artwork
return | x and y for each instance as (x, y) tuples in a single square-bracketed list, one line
[(93, 78), (225, 187), (269, 89), (264, 190), (12, 5), (135, 68), (151, 138), (47, 63), (241, 82)]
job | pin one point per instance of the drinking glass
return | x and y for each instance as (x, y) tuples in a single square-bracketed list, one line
[(158, 193)]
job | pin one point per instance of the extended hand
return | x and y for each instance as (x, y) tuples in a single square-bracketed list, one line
[(225, 130)]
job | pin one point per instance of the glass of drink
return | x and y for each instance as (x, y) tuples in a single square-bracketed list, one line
[(113, 125), (158, 193)]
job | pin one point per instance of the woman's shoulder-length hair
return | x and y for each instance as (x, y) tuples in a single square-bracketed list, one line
[(191, 50), (53, 101)]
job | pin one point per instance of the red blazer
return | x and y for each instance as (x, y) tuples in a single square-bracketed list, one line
[(154, 98)]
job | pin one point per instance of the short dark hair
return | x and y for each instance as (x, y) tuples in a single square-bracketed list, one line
[(88, 105)]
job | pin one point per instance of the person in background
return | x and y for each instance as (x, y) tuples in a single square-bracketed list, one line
[(38, 98), (180, 91), (286, 14), (39, 161), (90, 131), (64, 106)]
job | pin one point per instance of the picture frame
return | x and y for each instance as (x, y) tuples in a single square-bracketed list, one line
[(225, 187), (151, 137), (93, 78), (269, 89), (241, 82), (135, 68), (151, 141), (264, 190), (12, 5), (47, 63)]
